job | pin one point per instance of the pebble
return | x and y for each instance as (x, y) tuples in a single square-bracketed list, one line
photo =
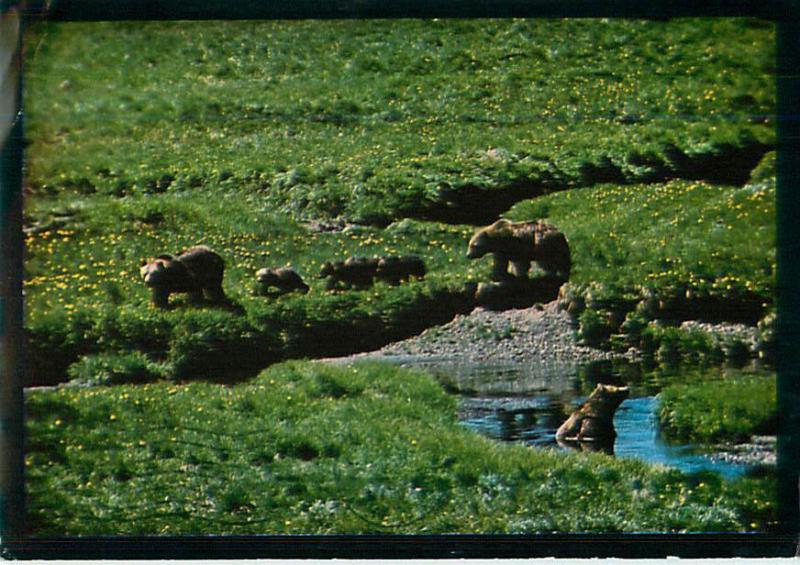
[(760, 450), (537, 334)]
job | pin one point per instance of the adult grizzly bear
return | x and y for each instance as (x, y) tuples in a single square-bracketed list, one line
[(519, 243), (594, 419), (394, 270), (197, 271), (355, 272), (283, 279)]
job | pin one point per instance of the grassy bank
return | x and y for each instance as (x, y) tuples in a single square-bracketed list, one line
[(85, 297), (719, 410), (259, 149), (668, 252), (640, 252), (447, 119), (311, 448)]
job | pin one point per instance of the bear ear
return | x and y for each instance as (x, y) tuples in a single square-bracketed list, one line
[(166, 257)]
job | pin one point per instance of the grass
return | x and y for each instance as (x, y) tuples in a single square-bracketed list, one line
[(248, 137), (719, 410), (84, 295), (669, 252), (312, 448), (712, 239), (237, 141), (401, 117)]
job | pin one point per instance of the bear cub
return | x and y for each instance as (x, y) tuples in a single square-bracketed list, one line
[(282, 279)]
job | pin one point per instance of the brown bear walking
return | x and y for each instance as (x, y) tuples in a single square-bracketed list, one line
[(594, 419), (519, 243), (394, 270), (282, 279), (355, 272), (197, 271)]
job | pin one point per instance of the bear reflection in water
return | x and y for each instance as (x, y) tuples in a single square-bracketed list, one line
[(531, 424)]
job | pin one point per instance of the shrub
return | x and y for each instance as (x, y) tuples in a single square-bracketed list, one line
[(765, 344), (669, 346), (593, 326), (719, 410), (695, 346), (219, 346), (635, 322), (115, 369)]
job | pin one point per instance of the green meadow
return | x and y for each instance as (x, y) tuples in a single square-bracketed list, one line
[(289, 452), (650, 144)]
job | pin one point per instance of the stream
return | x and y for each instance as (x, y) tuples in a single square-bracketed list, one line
[(525, 403)]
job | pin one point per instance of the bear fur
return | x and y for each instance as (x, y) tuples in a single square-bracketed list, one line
[(394, 270), (355, 272), (594, 419), (519, 243), (283, 279), (197, 271), (361, 272)]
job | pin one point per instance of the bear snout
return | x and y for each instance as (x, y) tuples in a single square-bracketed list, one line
[(263, 275)]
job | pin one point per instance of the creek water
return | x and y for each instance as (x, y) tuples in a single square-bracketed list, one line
[(525, 403)]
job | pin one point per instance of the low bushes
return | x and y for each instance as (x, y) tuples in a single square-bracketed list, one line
[(114, 369), (719, 410)]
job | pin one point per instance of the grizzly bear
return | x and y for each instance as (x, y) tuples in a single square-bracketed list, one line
[(594, 419), (283, 279), (355, 272), (197, 271), (519, 243), (394, 270)]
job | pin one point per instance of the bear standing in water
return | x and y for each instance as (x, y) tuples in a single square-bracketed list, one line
[(197, 271), (519, 243), (594, 419)]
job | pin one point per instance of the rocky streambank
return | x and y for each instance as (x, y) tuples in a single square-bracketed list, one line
[(539, 334), (544, 336), (760, 450)]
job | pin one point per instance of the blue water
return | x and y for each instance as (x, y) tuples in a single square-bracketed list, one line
[(638, 438), (534, 420), (527, 403)]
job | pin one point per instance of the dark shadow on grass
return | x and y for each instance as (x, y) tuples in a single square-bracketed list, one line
[(518, 293), (724, 164)]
